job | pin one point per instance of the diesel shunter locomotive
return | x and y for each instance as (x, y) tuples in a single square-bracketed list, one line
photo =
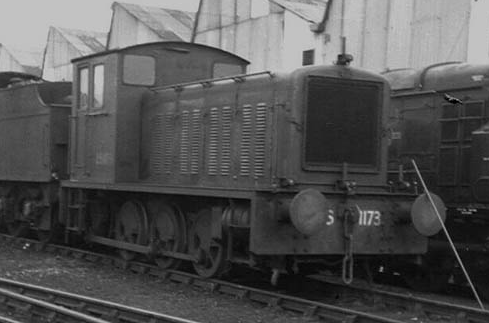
[(176, 154)]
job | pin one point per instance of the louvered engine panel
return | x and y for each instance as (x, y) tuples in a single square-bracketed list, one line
[(219, 146), (260, 139), (190, 142), (253, 141), (162, 136), (246, 141), (185, 143), (198, 142), (226, 123), (169, 138), (213, 152), (157, 144), (195, 144)]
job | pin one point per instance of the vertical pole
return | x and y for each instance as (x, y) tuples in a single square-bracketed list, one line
[(447, 235), (196, 22)]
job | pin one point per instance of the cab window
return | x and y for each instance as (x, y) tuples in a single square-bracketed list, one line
[(83, 88), (223, 70), (139, 70), (98, 86)]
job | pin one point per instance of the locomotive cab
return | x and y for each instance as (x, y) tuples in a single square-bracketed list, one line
[(107, 92)]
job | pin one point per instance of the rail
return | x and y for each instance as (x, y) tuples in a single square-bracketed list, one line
[(85, 309), (4, 319), (427, 307), (36, 308)]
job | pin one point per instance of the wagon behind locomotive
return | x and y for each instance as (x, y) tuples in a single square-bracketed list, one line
[(33, 149), (449, 142), (263, 169)]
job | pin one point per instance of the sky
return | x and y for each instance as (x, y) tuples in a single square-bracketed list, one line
[(24, 24)]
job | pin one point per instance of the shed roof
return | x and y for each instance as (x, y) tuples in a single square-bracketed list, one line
[(310, 10), (86, 42), (169, 24), (31, 60)]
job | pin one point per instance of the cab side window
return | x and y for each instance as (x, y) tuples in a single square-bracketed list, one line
[(83, 88), (139, 70), (223, 70), (98, 86)]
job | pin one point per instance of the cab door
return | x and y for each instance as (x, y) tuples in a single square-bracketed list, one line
[(93, 155), (78, 122)]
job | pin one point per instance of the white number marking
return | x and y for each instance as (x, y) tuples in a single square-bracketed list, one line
[(330, 218), (369, 218)]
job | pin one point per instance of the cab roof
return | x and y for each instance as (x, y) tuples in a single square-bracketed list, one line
[(167, 45)]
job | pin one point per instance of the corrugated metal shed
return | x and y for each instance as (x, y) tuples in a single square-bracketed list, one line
[(26, 61), (65, 44), (272, 37), (310, 10), (85, 42), (135, 24), (380, 34)]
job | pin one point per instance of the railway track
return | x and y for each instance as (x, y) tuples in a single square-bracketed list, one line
[(408, 307), (34, 309), (4, 319), (57, 306), (401, 299)]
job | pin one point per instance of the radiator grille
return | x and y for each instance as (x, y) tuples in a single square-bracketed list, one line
[(342, 122)]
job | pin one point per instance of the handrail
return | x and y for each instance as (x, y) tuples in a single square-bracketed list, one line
[(209, 82)]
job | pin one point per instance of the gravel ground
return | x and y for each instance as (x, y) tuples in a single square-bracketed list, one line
[(116, 285)]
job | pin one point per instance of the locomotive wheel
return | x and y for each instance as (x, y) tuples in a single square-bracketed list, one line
[(131, 226), (211, 253), (168, 231)]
